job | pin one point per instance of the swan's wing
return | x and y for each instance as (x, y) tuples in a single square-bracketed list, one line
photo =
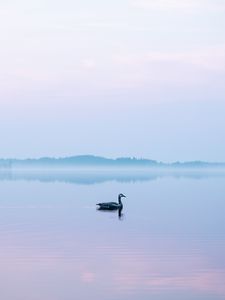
[(107, 203)]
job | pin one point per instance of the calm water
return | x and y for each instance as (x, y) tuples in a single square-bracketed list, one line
[(168, 244)]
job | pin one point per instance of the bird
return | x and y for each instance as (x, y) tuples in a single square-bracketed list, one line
[(112, 205)]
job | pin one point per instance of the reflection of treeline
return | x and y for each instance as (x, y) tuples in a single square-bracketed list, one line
[(94, 177), (74, 177)]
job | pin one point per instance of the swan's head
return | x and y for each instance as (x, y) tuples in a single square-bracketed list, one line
[(122, 195)]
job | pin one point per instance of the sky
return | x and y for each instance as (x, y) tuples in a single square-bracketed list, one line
[(143, 78)]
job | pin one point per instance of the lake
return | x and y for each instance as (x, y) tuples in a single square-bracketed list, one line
[(168, 243)]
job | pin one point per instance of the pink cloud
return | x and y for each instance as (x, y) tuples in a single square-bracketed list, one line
[(211, 58), (88, 277)]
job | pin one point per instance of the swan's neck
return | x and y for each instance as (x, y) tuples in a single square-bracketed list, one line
[(119, 200)]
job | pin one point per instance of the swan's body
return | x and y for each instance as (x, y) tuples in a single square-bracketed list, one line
[(112, 205)]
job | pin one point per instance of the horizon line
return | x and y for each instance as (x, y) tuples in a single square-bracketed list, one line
[(112, 159)]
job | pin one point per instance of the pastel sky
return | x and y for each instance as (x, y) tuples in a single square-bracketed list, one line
[(141, 78)]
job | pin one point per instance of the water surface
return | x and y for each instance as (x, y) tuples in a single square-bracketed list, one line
[(169, 242)]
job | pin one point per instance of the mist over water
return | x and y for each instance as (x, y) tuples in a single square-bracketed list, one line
[(169, 242)]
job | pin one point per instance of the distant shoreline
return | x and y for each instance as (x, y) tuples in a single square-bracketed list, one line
[(91, 162)]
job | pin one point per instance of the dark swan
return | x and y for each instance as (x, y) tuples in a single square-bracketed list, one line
[(112, 205)]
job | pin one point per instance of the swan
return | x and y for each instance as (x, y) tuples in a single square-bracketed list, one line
[(112, 205)]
